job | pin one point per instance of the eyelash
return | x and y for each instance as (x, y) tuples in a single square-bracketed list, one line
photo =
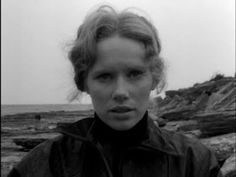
[(135, 73), (104, 76)]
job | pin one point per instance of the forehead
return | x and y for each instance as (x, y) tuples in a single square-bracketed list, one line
[(118, 45), (116, 50)]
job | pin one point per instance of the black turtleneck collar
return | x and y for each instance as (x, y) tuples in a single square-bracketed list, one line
[(106, 134)]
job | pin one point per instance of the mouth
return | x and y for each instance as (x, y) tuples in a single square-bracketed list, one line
[(121, 109)]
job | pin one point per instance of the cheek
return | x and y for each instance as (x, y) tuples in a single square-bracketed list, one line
[(99, 96), (143, 93), (144, 88)]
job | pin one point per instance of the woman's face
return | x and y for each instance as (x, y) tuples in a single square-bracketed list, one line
[(120, 82)]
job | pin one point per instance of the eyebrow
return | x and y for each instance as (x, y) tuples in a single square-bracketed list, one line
[(110, 70), (99, 71), (137, 67), (127, 67)]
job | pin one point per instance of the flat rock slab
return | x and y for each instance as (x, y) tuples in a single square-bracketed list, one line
[(229, 167), (222, 145)]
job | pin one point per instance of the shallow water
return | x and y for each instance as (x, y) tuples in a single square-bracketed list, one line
[(17, 109)]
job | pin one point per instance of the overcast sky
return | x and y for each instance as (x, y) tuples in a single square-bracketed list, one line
[(198, 40)]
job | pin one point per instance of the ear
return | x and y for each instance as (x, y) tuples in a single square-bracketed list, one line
[(86, 89), (154, 84), (85, 86)]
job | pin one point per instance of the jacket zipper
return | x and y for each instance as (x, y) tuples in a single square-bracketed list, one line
[(120, 165)]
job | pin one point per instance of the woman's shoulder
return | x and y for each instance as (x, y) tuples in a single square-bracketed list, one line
[(67, 136), (190, 151), (178, 143), (37, 161), (183, 143)]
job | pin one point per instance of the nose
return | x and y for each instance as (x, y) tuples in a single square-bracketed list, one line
[(120, 93)]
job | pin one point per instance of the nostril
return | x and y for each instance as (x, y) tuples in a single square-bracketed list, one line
[(120, 97)]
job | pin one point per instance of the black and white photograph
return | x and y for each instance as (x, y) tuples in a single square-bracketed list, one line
[(118, 88)]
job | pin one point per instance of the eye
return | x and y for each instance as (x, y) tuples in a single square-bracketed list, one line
[(135, 74), (104, 77)]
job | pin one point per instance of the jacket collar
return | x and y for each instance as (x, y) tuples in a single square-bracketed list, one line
[(157, 140)]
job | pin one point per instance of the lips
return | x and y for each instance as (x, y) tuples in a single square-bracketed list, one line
[(121, 109)]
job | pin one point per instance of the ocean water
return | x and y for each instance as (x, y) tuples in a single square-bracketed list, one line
[(16, 109)]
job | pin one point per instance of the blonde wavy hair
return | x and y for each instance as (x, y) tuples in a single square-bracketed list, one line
[(105, 22)]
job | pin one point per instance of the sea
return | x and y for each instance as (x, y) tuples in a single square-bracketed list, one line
[(27, 108)]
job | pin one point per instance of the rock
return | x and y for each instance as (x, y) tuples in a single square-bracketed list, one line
[(229, 167), (37, 116), (188, 127), (182, 125), (193, 134), (211, 104), (28, 143), (52, 127), (172, 126), (222, 145), (161, 122), (213, 124), (205, 124), (215, 96)]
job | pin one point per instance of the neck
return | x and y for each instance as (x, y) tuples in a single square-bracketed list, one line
[(106, 134)]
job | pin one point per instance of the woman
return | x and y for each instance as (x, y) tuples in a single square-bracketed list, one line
[(116, 61)]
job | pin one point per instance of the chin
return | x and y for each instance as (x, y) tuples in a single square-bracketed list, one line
[(122, 126)]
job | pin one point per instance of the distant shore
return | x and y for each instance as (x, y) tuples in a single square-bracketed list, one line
[(11, 109)]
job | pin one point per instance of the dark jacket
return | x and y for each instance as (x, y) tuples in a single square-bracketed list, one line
[(79, 153)]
